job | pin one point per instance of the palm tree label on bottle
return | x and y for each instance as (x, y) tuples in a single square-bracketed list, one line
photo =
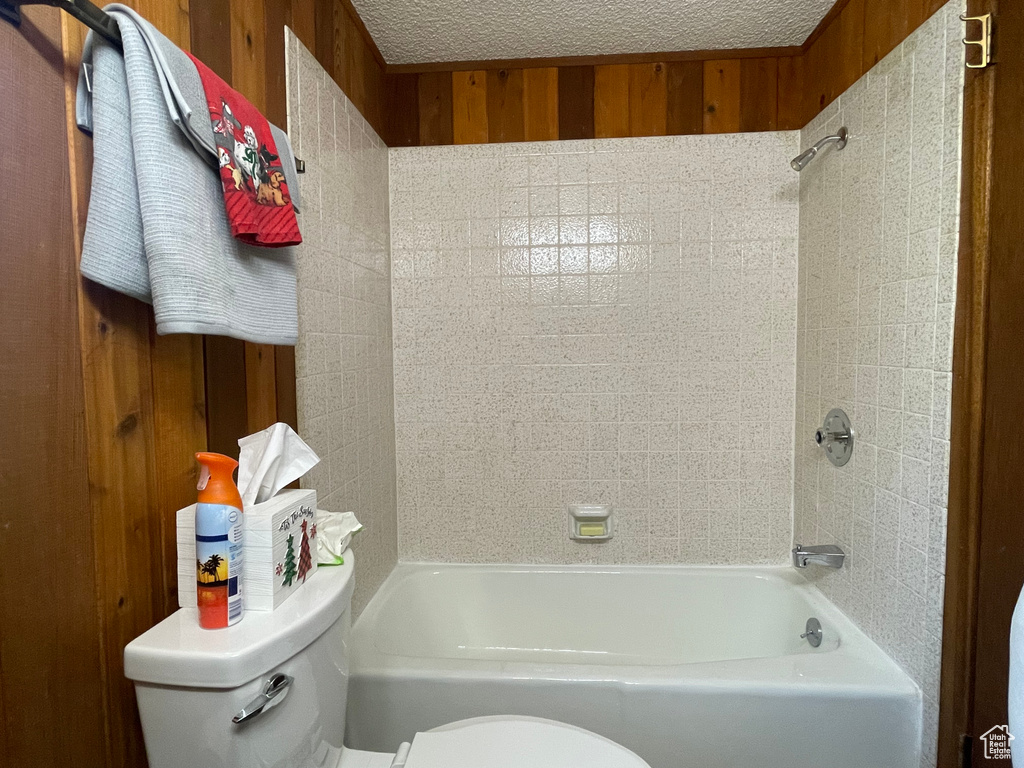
[(219, 560), (219, 556)]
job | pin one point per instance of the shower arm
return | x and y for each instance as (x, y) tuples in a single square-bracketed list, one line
[(801, 161)]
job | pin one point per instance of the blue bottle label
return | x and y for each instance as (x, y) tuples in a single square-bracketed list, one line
[(219, 557)]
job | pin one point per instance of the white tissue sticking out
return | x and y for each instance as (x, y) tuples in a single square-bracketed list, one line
[(334, 532), (269, 460)]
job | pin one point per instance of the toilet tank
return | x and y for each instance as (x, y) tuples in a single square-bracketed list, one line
[(190, 682)]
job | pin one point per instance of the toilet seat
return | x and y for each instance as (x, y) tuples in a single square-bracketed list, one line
[(516, 742)]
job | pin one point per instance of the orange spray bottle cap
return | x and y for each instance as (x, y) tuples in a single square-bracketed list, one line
[(216, 483)]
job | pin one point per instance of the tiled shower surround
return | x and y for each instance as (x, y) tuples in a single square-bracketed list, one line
[(627, 322), (878, 246), (343, 359), (596, 322)]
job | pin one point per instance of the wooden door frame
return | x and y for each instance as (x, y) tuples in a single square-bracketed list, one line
[(982, 391)]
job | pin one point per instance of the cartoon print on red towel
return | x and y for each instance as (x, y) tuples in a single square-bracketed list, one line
[(256, 197), (255, 169)]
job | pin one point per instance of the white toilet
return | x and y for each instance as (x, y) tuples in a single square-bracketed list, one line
[(271, 692)]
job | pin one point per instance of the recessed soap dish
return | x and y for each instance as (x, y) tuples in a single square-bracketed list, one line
[(590, 522)]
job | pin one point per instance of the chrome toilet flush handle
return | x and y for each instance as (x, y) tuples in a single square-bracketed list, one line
[(274, 691)]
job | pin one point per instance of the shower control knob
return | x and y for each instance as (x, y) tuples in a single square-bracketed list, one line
[(835, 437), (821, 437)]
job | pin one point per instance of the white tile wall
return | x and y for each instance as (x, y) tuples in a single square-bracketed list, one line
[(601, 321), (624, 321), (878, 245), (345, 381)]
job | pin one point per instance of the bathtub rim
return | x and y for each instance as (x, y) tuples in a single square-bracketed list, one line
[(856, 667)]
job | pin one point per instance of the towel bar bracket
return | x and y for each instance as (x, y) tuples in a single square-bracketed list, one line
[(10, 14), (87, 13), (93, 17)]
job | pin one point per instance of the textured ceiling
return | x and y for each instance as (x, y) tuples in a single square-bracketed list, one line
[(416, 31)]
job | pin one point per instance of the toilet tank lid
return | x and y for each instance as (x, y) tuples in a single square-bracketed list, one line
[(178, 652)]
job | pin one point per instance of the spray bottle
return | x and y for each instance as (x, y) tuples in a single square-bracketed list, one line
[(218, 543)]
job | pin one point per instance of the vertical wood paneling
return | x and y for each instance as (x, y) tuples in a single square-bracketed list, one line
[(685, 97), (435, 108), (339, 42), (960, 695), (260, 386), (287, 401), (403, 113), (375, 92), (278, 15), (505, 113), (990, 246), (611, 101), (211, 26), (886, 25), (124, 482), (116, 371), (576, 103), (169, 16), (759, 94), (226, 397), (540, 104), (304, 22), (128, 411), (792, 109), (817, 74), (648, 99), (248, 51), (353, 78), (342, 49), (722, 96), (52, 687), (224, 374), (850, 38), (324, 28), (179, 431), (469, 107), (178, 385), (248, 61)]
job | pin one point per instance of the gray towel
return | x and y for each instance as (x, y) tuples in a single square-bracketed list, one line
[(157, 229), (181, 87)]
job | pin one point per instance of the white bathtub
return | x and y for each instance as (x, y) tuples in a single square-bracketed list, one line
[(690, 667)]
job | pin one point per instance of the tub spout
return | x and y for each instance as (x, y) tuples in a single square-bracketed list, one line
[(828, 555)]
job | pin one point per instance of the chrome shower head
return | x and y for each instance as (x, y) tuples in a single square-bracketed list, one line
[(802, 160)]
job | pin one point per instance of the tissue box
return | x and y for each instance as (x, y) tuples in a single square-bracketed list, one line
[(279, 542)]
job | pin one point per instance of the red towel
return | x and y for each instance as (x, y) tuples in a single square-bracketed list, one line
[(255, 192)]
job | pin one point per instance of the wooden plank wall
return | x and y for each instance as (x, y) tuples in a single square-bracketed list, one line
[(586, 101), (50, 633), (647, 95), (854, 37), (108, 414)]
